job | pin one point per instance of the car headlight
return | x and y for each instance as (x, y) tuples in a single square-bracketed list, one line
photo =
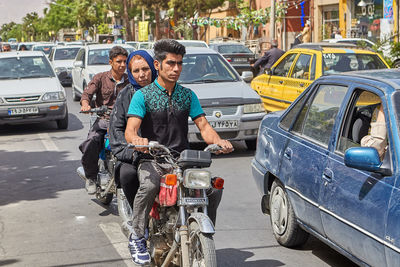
[(53, 96), (253, 108), (59, 70), (1, 101), (196, 179)]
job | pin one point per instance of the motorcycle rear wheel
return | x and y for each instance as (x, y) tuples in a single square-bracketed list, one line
[(201, 248), (124, 212), (106, 200)]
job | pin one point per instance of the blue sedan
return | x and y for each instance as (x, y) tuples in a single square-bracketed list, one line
[(316, 178)]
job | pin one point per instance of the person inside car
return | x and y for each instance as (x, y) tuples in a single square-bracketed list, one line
[(106, 85), (160, 112), (377, 137), (141, 72)]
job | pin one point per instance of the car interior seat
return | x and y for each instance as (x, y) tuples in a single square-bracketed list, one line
[(342, 65)]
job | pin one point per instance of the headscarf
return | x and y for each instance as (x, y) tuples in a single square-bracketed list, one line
[(149, 61)]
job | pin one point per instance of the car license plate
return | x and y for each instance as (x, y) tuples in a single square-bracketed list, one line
[(23, 110), (224, 124), (241, 59)]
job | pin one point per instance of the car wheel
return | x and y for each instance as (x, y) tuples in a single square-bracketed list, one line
[(283, 220), (63, 123), (396, 64), (251, 144), (75, 97)]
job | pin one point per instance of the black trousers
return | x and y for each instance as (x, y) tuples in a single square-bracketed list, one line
[(91, 148), (129, 181)]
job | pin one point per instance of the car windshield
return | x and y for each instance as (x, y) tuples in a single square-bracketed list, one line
[(25, 67), (101, 56), (206, 68), (233, 49), (396, 102), (66, 53), (45, 48), (342, 62)]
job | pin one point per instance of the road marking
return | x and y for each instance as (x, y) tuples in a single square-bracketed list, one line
[(118, 240), (48, 142)]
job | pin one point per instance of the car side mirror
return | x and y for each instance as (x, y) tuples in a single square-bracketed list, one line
[(364, 158), (78, 64), (269, 71), (247, 76)]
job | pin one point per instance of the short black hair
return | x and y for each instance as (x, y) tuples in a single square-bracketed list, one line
[(117, 51), (166, 46)]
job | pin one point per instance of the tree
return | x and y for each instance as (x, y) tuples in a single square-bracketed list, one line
[(157, 6)]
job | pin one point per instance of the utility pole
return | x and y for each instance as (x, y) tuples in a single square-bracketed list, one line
[(272, 21)]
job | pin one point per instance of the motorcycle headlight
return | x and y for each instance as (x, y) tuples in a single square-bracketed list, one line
[(53, 96), (59, 70), (253, 108), (196, 179)]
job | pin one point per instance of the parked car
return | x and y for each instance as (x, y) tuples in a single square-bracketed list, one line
[(238, 55), (300, 66), (44, 47), (90, 60), (31, 92), (193, 43), (62, 58), (233, 109), (315, 178)]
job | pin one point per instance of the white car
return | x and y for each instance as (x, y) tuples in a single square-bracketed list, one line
[(193, 43), (62, 58), (30, 90), (355, 41), (90, 60)]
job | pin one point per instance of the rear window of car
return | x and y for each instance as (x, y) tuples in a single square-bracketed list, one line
[(342, 62), (45, 48), (233, 49), (66, 53)]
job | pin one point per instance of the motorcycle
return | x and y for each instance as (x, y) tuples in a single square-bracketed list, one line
[(106, 185), (180, 231)]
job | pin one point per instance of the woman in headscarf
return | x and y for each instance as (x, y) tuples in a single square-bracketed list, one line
[(141, 72)]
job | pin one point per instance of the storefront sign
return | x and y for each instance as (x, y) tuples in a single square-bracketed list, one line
[(143, 31), (388, 9)]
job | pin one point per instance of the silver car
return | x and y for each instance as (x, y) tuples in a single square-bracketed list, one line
[(30, 90), (231, 106)]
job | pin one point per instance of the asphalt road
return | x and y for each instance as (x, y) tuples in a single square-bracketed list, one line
[(47, 219)]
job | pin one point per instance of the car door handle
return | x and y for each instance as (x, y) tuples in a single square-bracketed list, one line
[(301, 85), (327, 175), (288, 154), (281, 82)]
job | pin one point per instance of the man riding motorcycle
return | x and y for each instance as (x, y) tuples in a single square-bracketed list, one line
[(160, 111), (106, 86), (141, 72)]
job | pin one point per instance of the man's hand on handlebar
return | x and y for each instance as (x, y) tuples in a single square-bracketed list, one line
[(85, 108), (139, 141), (225, 145)]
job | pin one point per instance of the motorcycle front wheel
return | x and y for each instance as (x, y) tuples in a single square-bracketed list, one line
[(201, 248)]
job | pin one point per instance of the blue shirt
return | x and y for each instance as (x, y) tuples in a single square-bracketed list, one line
[(165, 117)]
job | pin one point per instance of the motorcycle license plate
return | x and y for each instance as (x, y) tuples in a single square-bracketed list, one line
[(188, 201), (23, 111), (224, 124)]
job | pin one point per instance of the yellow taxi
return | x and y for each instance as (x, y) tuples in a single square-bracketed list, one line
[(300, 66)]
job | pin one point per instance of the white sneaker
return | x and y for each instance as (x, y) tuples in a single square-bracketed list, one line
[(90, 187)]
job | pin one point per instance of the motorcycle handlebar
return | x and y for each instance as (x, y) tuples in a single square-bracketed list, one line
[(213, 148), (100, 110)]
